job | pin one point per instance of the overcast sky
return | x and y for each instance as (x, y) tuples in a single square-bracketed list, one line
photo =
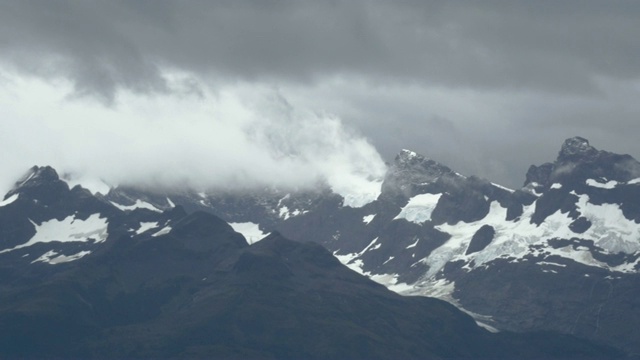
[(256, 91)]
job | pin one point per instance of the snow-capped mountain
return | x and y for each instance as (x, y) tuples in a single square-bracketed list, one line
[(87, 275), (43, 220), (561, 253)]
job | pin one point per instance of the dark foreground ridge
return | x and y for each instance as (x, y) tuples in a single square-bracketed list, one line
[(200, 291)]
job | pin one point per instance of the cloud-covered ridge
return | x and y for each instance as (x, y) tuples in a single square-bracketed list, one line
[(237, 138)]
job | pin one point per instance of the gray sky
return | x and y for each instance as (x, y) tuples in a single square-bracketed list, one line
[(129, 89)]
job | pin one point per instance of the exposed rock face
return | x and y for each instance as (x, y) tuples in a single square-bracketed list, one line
[(481, 239), (409, 172), (539, 175), (578, 161), (577, 148)]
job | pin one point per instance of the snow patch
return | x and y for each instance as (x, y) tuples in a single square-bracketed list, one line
[(628, 267), (556, 186), (419, 208), (531, 188), (551, 263), (350, 260), (511, 238), (408, 153), (390, 281), (50, 257), (71, 229), (250, 231), (171, 204), (580, 256), (503, 187), (608, 185), (440, 289), (283, 199), (634, 181), (140, 204), (367, 219), (145, 226), (359, 192), (284, 213), (368, 246), (610, 230), (28, 178), (95, 186), (9, 200), (165, 230), (414, 244)]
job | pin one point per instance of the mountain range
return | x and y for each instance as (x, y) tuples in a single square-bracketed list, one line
[(105, 271)]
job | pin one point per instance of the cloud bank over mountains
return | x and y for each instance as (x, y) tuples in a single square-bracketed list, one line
[(104, 46), (238, 138), (486, 87)]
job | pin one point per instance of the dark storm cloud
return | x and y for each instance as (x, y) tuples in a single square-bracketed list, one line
[(487, 87), (105, 45)]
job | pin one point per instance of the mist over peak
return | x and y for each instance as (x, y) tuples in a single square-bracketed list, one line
[(237, 138)]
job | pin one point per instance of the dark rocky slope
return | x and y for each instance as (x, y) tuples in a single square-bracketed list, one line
[(201, 291)]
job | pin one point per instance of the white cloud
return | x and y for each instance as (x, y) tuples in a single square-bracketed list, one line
[(241, 136)]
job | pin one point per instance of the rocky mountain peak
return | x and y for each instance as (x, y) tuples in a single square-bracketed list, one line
[(410, 162), (578, 162), (410, 169), (406, 155), (576, 147), (37, 177), (40, 174)]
